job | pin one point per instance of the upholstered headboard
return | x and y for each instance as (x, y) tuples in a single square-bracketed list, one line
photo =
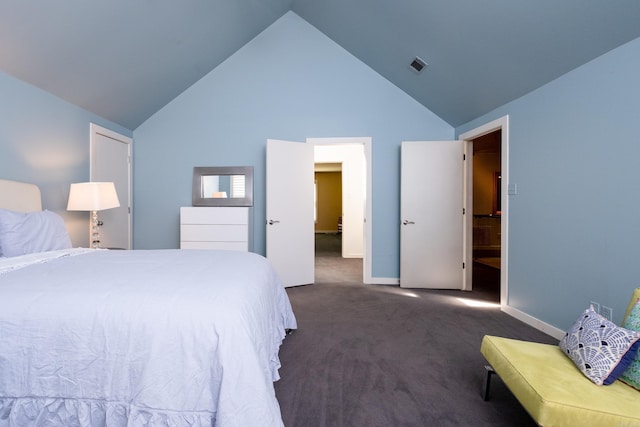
[(19, 196)]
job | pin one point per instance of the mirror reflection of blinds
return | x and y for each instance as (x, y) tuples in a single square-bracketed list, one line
[(237, 186)]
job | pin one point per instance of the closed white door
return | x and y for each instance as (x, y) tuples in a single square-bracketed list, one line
[(111, 162), (431, 214), (289, 215)]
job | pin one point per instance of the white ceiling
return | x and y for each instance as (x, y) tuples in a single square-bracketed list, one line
[(125, 59)]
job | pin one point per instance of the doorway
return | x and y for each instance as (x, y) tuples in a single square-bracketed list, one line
[(290, 165), (501, 124), (330, 264), (487, 214), (340, 187)]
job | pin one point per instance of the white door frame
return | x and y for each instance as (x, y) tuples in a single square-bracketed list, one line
[(499, 124), (94, 131), (367, 277)]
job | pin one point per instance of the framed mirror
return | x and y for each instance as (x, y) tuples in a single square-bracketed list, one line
[(222, 186)]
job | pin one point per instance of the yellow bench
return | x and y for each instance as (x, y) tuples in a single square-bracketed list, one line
[(553, 390)]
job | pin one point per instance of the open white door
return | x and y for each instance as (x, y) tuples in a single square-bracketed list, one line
[(289, 203), (111, 162), (431, 214)]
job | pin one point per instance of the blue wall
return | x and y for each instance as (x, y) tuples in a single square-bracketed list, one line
[(574, 224), (291, 82), (574, 152), (45, 140)]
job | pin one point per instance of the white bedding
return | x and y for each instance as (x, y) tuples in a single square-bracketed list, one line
[(141, 338)]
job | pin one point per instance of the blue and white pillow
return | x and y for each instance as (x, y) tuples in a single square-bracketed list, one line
[(601, 349), (24, 233)]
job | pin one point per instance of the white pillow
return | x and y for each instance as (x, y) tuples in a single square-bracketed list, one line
[(30, 232)]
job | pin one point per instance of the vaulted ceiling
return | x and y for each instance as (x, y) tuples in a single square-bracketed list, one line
[(125, 59)]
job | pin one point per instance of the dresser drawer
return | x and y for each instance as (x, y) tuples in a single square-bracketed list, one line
[(214, 215), (213, 233), (229, 246)]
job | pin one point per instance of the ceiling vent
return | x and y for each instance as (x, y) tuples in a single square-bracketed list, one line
[(418, 65)]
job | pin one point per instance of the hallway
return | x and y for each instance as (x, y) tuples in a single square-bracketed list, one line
[(329, 264)]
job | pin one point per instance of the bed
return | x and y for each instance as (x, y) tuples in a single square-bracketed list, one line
[(137, 338)]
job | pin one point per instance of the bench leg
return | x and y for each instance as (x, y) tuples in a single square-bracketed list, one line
[(486, 383)]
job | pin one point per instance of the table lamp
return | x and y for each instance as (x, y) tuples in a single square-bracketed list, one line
[(93, 197)]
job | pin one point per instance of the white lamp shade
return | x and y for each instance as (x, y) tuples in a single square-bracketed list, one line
[(92, 196)]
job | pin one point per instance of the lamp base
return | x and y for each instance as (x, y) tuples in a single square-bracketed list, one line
[(95, 233)]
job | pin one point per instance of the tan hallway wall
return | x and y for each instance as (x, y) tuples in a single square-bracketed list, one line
[(329, 188)]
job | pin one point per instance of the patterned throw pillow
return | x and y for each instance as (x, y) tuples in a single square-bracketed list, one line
[(632, 375), (601, 349)]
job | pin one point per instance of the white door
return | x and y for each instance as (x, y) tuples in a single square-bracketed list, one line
[(431, 203), (111, 162), (289, 203)]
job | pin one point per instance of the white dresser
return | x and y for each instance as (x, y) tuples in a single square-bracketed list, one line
[(214, 228)]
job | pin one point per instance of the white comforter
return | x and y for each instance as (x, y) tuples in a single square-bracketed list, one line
[(141, 338)]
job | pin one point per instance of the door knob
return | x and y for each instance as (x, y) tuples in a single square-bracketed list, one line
[(406, 222), (271, 222)]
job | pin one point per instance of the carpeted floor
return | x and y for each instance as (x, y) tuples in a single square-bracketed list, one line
[(371, 355)]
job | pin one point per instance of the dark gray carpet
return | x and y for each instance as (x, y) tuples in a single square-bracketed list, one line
[(369, 355)]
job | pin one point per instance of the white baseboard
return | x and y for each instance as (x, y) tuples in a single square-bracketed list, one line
[(382, 281), (532, 321), (354, 255)]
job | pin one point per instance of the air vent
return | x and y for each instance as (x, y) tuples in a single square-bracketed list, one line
[(418, 65)]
